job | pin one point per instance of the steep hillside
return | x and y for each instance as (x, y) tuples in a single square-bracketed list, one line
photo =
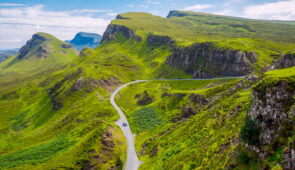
[(40, 53), (198, 43), (61, 118), (55, 111), (83, 39)]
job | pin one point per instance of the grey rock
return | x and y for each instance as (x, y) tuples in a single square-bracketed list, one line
[(204, 60), (113, 30)]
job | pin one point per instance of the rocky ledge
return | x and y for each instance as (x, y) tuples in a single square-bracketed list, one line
[(113, 30), (273, 112), (205, 60)]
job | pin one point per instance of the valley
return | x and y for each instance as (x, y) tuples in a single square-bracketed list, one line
[(197, 91)]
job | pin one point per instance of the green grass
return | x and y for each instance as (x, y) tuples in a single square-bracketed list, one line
[(267, 39), (35, 154), (145, 119), (193, 143)]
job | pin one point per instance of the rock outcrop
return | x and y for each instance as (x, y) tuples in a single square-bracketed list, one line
[(35, 47), (274, 116), (157, 40), (288, 60), (113, 30), (205, 60)]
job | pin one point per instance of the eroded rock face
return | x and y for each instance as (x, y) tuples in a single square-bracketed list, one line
[(289, 156), (157, 40), (204, 60), (288, 60), (113, 30), (36, 41), (270, 108)]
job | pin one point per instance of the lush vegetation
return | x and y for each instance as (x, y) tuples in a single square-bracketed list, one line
[(55, 111)]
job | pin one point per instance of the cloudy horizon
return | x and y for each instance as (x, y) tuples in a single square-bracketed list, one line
[(19, 20)]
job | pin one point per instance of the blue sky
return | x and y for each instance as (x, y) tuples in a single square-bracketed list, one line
[(19, 19)]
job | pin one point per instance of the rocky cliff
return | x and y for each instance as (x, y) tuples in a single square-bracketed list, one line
[(205, 60), (288, 60), (113, 30), (40, 46), (273, 113)]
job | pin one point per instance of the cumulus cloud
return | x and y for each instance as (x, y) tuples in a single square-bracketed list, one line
[(197, 7), (280, 10), (21, 22)]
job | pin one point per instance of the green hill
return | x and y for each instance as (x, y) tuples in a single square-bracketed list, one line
[(252, 44), (41, 53), (55, 111)]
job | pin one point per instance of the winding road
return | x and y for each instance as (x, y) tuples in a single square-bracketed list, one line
[(132, 162)]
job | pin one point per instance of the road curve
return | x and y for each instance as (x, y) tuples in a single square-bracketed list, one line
[(132, 162)]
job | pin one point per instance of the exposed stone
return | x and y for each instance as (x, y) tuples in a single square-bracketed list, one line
[(34, 47), (144, 99), (288, 60), (271, 104), (198, 99), (157, 40), (66, 46), (188, 111), (289, 156), (204, 60), (269, 108), (113, 30), (107, 140)]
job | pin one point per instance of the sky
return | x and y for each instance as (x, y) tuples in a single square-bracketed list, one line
[(19, 19)]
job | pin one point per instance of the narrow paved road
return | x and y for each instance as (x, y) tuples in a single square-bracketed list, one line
[(132, 162)]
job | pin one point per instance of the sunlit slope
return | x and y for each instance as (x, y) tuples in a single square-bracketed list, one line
[(42, 52), (267, 39)]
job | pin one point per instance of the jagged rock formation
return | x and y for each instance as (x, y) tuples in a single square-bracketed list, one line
[(83, 39), (39, 47), (157, 40), (274, 116), (204, 60), (36, 41), (288, 60), (112, 31)]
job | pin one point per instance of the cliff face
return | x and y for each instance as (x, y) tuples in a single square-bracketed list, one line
[(288, 60), (201, 60), (204, 60), (272, 110), (113, 30)]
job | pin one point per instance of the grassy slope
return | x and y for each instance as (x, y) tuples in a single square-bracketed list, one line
[(191, 143), (266, 38), (32, 136)]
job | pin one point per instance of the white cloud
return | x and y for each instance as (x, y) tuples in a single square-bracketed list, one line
[(280, 10), (112, 14), (10, 4), (197, 7), (21, 22)]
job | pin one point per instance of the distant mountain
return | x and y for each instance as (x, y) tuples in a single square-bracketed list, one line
[(83, 39), (42, 52), (4, 54)]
